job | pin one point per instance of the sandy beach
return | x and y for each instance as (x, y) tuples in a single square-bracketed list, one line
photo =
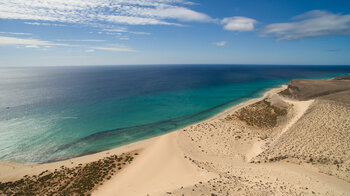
[(288, 147)]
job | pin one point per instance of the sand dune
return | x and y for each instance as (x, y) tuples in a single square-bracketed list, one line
[(320, 137), (299, 108), (159, 168), (227, 147)]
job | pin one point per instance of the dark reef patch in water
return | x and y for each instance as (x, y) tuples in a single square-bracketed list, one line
[(126, 135)]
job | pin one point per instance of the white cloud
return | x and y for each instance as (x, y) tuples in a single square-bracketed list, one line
[(114, 49), (139, 33), (238, 23), (32, 46), (44, 24), (29, 43), (43, 45), (311, 24), (119, 30), (122, 31), (15, 33), (167, 11), (33, 23), (80, 40), (132, 20), (132, 12), (222, 43)]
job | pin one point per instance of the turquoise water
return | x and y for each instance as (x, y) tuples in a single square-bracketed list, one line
[(49, 114)]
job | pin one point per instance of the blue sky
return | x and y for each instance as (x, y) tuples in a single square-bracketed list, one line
[(122, 32)]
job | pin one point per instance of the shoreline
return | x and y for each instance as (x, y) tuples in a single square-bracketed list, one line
[(164, 166), (226, 106), (21, 169), (252, 148)]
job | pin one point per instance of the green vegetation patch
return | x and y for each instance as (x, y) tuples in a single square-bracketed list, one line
[(260, 114), (80, 180), (286, 93)]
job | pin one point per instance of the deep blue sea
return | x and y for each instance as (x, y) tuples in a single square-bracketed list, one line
[(55, 113)]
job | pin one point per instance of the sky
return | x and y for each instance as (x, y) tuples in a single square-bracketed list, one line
[(124, 32)]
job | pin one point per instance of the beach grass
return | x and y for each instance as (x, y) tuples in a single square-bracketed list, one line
[(261, 114), (79, 180)]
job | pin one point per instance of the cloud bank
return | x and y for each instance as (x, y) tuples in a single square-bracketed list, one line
[(29, 43), (131, 12), (42, 44), (315, 23)]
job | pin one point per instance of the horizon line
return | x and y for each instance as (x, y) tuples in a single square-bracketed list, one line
[(169, 64)]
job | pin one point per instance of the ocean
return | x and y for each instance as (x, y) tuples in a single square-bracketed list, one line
[(55, 113)]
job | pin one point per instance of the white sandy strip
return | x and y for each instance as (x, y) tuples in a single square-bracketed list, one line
[(10, 171), (299, 107), (159, 168)]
